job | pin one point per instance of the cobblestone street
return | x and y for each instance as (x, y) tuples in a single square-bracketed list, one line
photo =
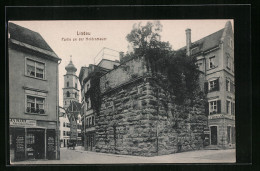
[(85, 157)]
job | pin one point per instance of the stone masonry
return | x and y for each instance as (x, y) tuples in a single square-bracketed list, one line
[(139, 117)]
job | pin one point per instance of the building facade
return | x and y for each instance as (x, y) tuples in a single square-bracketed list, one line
[(215, 58), (86, 76), (33, 96), (64, 128)]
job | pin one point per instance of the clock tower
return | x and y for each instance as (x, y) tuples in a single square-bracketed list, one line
[(70, 90)]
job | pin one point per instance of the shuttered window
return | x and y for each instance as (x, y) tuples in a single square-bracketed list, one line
[(213, 85)]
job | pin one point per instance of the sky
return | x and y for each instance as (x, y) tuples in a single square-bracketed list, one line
[(61, 35)]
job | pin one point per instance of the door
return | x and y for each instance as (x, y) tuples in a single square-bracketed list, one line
[(214, 135), (39, 144), (51, 144)]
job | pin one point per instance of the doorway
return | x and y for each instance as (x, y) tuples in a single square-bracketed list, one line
[(35, 144), (214, 135)]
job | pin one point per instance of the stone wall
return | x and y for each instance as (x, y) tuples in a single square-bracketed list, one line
[(140, 118)]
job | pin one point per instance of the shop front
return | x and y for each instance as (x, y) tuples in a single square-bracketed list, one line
[(29, 141)]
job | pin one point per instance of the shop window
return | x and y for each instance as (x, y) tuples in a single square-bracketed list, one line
[(35, 105), (35, 69)]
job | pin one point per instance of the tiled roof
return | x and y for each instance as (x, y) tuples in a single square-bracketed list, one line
[(207, 42), (27, 36)]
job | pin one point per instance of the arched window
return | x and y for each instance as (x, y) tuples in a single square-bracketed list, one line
[(68, 94)]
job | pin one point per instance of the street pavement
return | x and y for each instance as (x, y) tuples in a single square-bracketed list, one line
[(78, 156)]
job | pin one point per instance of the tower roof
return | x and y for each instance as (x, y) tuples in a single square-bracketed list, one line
[(71, 67)]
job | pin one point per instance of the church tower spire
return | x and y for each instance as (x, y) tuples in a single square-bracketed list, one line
[(70, 89)]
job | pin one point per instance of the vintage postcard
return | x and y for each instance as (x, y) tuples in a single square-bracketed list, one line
[(121, 91)]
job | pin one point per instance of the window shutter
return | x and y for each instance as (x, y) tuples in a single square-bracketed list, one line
[(226, 85), (217, 84), (206, 87), (219, 106), (227, 106), (207, 108)]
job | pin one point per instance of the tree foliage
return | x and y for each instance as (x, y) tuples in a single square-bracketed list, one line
[(181, 70)]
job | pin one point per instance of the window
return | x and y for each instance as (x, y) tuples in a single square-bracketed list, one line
[(63, 124), (35, 69), (65, 102), (76, 95), (76, 85), (64, 133), (87, 87), (211, 62), (214, 107), (228, 107), (230, 43), (213, 85), (35, 104), (68, 84), (88, 106), (68, 94), (232, 108), (228, 62), (227, 85), (93, 123)]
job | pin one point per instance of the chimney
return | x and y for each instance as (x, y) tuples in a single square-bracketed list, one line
[(121, 55), (188, 41)]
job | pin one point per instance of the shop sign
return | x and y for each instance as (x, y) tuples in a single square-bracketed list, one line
[(22, 122)]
